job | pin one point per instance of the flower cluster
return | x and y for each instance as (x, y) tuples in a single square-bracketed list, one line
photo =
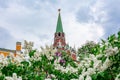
[(101, 61), (14, 77)]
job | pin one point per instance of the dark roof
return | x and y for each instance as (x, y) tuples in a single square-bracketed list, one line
[(7, 50), (18, 43)]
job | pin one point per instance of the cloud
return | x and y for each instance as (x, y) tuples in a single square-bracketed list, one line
[(83, 15), (113, 10), (78, 33), (102, 13), (35, 20), (26, 23), (106, 13), (3, 3), (6, 39)]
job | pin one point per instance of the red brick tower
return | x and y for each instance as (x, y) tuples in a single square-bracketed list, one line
[(59, 38)]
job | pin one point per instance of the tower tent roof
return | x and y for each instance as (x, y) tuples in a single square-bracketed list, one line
[(59, 24)]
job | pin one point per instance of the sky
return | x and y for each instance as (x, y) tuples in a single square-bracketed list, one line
[(36, 20)]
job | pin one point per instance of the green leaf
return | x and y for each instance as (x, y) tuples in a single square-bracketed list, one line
[(2, 77), (103, 41), (103, 59), (8, 70), (94, 76), (101, 74), (73, 64), (91, 64), (25, 63), (111, 38), (32, 53), (80, 71)]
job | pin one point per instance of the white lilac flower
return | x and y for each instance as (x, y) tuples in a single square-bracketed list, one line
[(88, 78), (81, 77), (64, 70), (61, 68), (50, 58), (2, 56), (11, 55), (55, 62), (67, 69), (106, 64), (36, 54), (0, 73), (48, 79), (94, 59), (26, 52), (27, 57), (41, 48), (106, 43), (97, 64), (5, 62), (19, 78), (90, 71), (117, 77), (28, 46), (84, 70), (74, 70), (1, 60), (92, 56), (53, 76), (57, 66), (74, 79), (14, 77), (9, 78), (111, 51), (19, 58), (99, 55), (47, 47)]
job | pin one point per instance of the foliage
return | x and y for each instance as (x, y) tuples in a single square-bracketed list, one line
[(99, 61)]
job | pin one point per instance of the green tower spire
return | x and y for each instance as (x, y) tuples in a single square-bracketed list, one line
[(59, 24)]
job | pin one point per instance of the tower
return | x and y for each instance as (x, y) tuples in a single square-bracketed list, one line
[(18, 47), (59, 37)]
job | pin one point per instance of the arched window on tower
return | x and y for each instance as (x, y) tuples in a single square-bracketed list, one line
[(59, 34)]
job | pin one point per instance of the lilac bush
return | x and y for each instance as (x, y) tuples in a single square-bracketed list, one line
[(102, 62)]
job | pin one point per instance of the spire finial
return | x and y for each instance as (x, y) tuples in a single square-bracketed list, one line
[(59, 10)]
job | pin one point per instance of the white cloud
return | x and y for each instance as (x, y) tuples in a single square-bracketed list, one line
[(98, 12), (25, 24), (36, 20), (79, 33)]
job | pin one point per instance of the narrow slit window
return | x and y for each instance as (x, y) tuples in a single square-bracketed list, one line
[(58, 34)]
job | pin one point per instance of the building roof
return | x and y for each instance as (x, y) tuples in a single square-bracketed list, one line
[(18, 43), (7, 50), (59, 24)]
